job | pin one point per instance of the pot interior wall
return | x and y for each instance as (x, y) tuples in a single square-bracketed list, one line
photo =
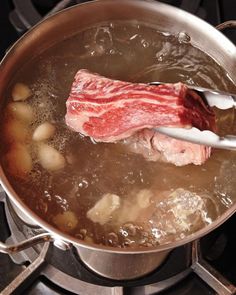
[(165, 18), (67, 23)]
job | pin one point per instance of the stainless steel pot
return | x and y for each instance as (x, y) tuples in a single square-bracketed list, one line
[(110, 262)]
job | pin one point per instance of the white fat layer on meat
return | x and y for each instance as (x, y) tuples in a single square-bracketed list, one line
[(73, 121), (107, 96)]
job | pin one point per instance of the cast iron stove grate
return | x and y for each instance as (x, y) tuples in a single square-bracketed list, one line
[(218, 248), (52, 270)]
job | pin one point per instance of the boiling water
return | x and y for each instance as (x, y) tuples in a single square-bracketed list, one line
[(159, 202)]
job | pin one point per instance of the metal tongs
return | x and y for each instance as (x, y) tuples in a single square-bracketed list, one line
[(221, 100)]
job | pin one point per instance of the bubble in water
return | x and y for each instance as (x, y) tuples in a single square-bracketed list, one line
[(141, 176), (82, 234), (129, 229), (156, 233), (225, 200), (128, 242), (180, 213), (48, 195), (103, 37), (166, 34), (124, 232), (112, 51), (190, 81), (133, 36), (84, 184), (112, 239), (145, 43), (159, 56), (112, 25), (129, 178), (183, 37), (62, 202)]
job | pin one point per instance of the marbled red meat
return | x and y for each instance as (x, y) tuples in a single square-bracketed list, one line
[(111, 110)]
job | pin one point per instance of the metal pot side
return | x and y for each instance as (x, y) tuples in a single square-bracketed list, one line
[(114, 263)]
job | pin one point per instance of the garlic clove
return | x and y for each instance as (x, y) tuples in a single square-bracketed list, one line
[(21, 111), (44, 132), (18, 160), (15, 131), (66, 221), (49, 158), (20, 92)]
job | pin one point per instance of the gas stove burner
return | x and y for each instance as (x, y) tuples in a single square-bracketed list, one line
[(27, 13), (64, 269), (203, 267)]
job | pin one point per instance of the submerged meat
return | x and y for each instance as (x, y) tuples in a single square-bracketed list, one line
[(111, 110), (155, 146), (104, 208), (152, 217)]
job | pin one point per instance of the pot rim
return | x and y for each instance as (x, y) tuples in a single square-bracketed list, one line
[(56, 233)]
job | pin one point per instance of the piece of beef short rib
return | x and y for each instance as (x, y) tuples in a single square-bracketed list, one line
[(111, 110), (155, 146)]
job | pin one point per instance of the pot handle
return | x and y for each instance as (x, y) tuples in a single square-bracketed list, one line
[(10, 249), (226, 25)]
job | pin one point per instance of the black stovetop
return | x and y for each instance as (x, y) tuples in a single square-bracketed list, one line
[(218, 248)]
